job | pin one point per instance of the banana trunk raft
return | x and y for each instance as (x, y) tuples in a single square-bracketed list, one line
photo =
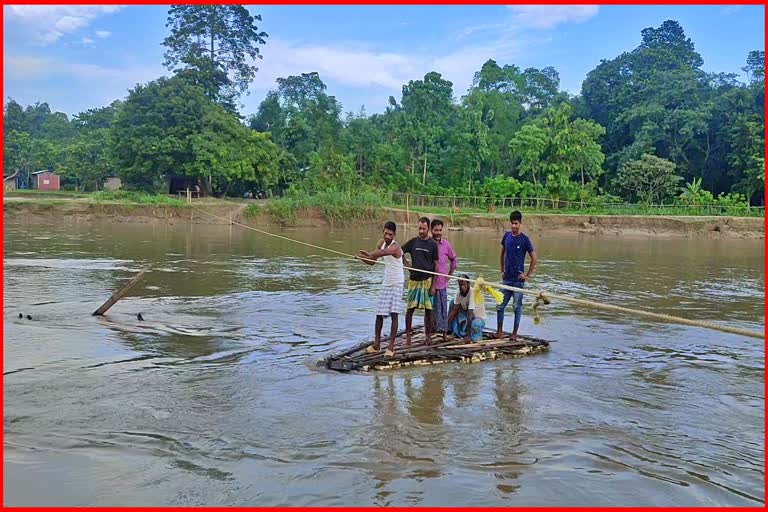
[(418, 354)]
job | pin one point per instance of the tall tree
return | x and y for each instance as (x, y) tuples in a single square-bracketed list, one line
[(213, 46)]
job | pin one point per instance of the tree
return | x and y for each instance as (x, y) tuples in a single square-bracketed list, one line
[(745, 135), (13, 117), (528, 146), (541, 87), (426, 104), (152, 131), (301, 117), (755, 68), (650, 179), (359, 137), (18, 152), (497, 94), (26, 154), (87, 161), (96, 118), (467, 148), (169, 127), (212, 46), (270, 117), (231, 153), (330, 170)]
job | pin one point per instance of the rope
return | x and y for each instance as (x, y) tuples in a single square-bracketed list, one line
[(541, 296)]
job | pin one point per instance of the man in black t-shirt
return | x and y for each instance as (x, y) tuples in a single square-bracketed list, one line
[(421, 288)]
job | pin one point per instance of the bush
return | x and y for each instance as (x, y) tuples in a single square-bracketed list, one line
[(252, 210), (648, 180), (284, 210), (501, 187)]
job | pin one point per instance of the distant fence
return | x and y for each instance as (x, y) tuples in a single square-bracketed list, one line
[(457, 203)]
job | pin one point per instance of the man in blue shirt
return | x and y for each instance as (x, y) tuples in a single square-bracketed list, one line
[(514, 246)]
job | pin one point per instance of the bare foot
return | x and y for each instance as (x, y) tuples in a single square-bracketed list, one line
[(408, 341), (513, 337), (389, 353), (428, 340), (497, 336)]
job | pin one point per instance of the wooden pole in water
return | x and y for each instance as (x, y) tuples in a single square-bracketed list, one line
[(119, 294)]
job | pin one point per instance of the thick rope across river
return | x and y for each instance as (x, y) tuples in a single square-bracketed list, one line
[(541, 296)]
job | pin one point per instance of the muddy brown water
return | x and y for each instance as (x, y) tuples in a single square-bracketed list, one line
[(214, 400)]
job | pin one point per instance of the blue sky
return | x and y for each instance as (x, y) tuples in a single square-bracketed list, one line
[(79, 57)]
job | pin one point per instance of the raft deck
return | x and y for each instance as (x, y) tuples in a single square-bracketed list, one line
[(418, 354)]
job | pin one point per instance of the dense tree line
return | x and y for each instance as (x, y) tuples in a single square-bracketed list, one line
[(649, 125)]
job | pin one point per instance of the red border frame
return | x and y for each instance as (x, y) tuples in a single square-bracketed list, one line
[(373, 2)]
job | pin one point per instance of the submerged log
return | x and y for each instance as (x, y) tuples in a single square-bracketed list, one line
[(119, 294)]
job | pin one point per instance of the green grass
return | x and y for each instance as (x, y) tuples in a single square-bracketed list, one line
[(628, 209), (337, 208), (138, 198), (284, 210), (252, 210)]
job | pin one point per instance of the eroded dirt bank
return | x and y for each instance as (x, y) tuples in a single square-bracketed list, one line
[(598, 225)]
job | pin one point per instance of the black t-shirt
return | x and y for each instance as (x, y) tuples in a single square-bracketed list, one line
[(423, 255)]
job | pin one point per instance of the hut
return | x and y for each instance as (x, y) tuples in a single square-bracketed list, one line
[(10, 182), (45, 180)]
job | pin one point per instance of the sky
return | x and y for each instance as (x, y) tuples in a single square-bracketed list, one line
[(81, 57)]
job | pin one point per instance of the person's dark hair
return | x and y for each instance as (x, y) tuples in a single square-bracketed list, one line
[(390, 226), (425, 220), (436, 222), (516, 216), (462, 277)]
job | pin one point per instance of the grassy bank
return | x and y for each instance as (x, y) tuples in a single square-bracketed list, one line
[(338, 209), (587, 209)]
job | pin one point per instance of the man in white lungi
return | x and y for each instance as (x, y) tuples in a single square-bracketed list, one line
[(390, 301)]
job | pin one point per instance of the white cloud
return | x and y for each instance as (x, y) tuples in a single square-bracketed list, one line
[(342, 63), (549, 16), (87, 40), (103, 34), (29, 78), (349, 65), (25, 67), (731, 9), (46, 24)]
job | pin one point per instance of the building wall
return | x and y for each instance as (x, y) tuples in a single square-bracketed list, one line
[(113, 184), (47, 181)]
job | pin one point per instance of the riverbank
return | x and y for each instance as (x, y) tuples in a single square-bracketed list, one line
[(257, 213)]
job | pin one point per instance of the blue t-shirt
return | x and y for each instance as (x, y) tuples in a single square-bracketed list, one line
[(515, 249)]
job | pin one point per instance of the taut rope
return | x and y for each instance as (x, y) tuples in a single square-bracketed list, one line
[(542, 297)]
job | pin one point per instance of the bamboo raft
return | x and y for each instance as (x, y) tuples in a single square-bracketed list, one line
[(418, 354)]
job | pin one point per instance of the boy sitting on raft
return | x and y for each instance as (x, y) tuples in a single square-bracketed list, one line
[(467, 317)]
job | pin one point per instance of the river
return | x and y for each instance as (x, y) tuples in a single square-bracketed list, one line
[(214, 398)]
